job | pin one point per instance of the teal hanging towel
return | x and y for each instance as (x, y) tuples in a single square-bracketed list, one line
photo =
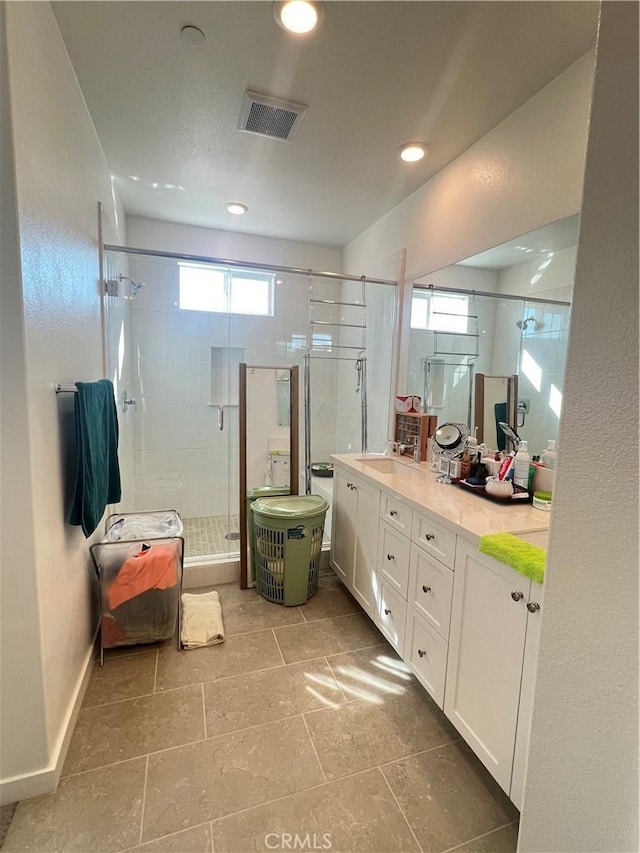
[(98, 474)]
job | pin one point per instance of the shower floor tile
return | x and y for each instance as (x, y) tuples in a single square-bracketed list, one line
[(207, 535)]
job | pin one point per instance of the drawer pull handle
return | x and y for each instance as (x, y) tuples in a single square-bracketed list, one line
[(532, 606), (387, 612), (426, 588), (429, 536), (350, 485), (516, 595), (390, 556), (393, 513), (421, 652)]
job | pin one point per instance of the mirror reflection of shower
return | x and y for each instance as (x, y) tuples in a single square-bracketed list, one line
[(530, 322), (136, 286)]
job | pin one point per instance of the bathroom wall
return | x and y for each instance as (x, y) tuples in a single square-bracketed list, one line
[(181, 458), (48, 583), (581, 791)]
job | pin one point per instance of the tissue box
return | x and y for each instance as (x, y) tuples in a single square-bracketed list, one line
[(408, 404)]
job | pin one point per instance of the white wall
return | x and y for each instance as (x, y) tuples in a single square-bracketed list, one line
[(581, 790), (523, 174), (60, 174)]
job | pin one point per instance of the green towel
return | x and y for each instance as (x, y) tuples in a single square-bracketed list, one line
[(98, 473), (525, 558)]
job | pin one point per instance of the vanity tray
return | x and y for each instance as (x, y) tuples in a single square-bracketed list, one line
[(520, 495)]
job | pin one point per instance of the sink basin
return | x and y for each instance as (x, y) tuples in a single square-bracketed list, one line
[(384, 465)]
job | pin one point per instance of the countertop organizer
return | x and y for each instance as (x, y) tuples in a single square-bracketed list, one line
[(139, 564)]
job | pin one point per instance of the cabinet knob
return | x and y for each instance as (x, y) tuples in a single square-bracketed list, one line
[(421, 652), (532, 606), (426, 588), (387, 612), (390, 556), (516, 595), (429, 536), (393, 513), (350, 485)]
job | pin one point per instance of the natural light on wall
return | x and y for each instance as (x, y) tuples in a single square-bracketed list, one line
[(223, 290), (531, 369), (555, 400)]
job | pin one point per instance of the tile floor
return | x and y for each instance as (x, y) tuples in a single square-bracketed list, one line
[(207, 535), (303, 722)]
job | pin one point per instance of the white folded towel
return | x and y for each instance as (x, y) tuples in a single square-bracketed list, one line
[(202, 623)]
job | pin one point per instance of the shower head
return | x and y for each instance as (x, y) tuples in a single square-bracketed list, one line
[(524, 324), (136, 286)]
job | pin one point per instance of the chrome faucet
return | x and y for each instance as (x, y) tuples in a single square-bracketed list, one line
[(416, 450)]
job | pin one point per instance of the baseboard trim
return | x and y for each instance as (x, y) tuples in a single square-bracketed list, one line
[(45, 780)]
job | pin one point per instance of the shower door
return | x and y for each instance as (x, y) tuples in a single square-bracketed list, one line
[(170, 349)]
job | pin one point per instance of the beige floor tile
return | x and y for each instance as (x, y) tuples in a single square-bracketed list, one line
[(195, 783), (97, 811), (326, 637), (384, 727), (120, 678), (329, 601), (503, 840), (195, 840), (260, 697), (134, 727), (230, 594), (357, 814), (235, 656), (328, 580), (448, 797), (257, 615), (370, 671)]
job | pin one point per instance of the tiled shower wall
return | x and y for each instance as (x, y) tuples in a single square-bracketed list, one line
[(182, 459)]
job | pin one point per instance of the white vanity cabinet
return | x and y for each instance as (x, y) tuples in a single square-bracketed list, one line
[(355, 536), (492, 609)]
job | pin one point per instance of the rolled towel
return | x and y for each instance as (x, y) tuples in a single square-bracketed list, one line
[(202, 623), (525, 558)]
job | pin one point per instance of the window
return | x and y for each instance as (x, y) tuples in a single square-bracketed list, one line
[(440, 312), (225, 290)]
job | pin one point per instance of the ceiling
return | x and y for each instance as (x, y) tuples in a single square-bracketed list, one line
[(375, 75), (547, 240)]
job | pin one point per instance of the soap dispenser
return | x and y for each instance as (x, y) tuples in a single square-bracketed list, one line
[(549, 456), (521, 466)]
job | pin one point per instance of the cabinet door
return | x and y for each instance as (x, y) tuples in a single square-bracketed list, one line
[(525, 709), (426, 653), (394, 550), (430, 590), (391, 616), (486, 647), (343, 538), (364, 583)]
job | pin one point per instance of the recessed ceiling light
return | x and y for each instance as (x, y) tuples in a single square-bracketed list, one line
[(413, 151), (193, 36), (298, 16), (236, 208)]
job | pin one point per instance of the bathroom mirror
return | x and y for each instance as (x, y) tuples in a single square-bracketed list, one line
[(502, 315), (269, 448)]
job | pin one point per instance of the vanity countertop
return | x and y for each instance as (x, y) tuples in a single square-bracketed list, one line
[(471, 515)]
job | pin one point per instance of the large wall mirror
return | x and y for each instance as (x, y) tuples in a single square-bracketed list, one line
[(489, 336)]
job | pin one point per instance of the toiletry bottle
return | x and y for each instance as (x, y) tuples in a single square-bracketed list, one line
[(521, 466), (549, 456)]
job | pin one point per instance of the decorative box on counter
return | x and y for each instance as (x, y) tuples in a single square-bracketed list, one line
[(412, 427)]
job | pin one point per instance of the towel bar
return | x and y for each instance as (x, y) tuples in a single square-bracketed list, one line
[(64, 388)]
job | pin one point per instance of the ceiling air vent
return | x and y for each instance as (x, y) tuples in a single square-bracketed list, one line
[(269, 116)]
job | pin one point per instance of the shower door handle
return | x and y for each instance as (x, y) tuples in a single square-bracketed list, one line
[(221, 417)]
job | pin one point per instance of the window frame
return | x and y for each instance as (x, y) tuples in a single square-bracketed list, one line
[(230, 274)]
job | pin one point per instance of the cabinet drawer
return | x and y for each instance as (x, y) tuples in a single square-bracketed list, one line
[(395, 513), (426, 653), (391, 617), (394, 551), (430, 590), (435, 539)]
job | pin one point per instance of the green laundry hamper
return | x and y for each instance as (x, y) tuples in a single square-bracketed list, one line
[(288, 542), (252, 495)]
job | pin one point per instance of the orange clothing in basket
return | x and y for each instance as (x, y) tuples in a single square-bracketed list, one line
[(156, 568)]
